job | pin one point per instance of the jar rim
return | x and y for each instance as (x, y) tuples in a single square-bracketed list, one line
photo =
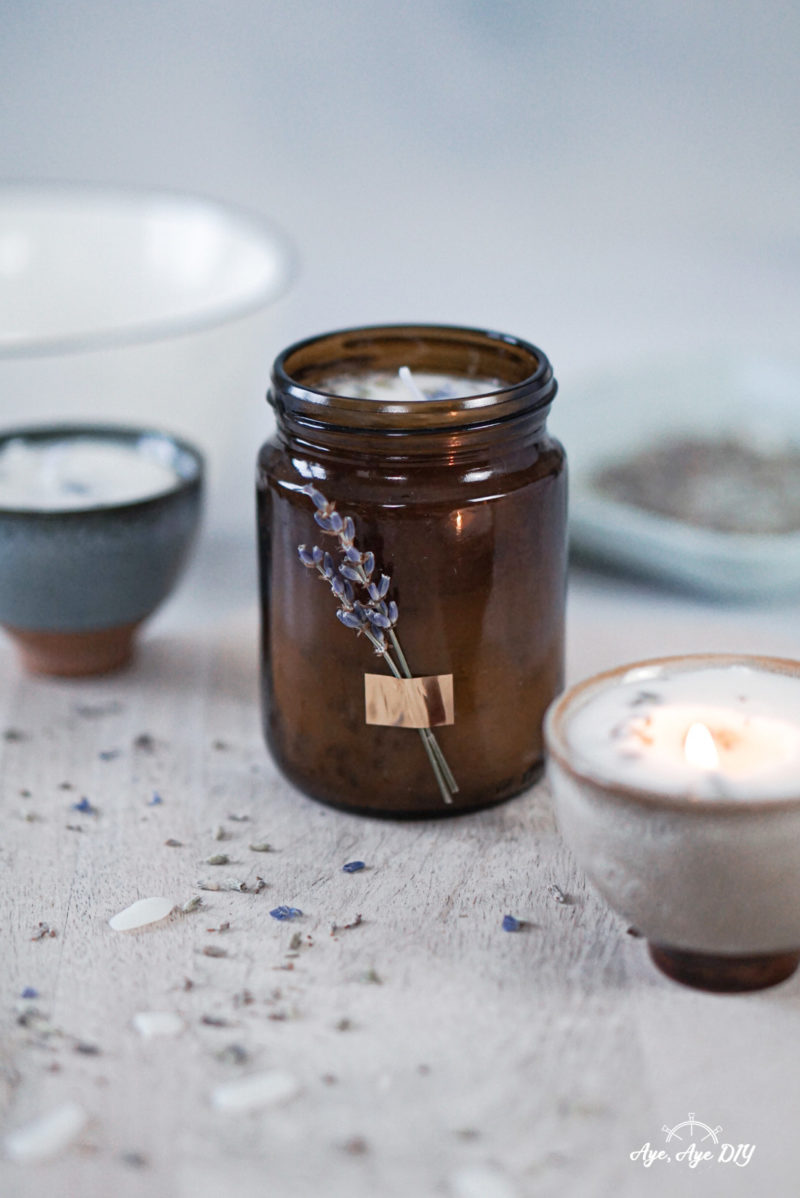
[(526, 373)]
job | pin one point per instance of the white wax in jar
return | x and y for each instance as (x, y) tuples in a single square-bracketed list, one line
[(73, 473), (388, 386), (634, 732)]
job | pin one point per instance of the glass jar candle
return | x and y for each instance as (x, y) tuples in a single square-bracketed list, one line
[(412, 545)]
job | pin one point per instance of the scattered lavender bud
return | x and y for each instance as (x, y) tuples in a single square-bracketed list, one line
[(352, 867), (295, 942), (156, 800), (85, 807), (192, 904), (283, 912), (556, 893), (218, 859), (260, 846), (172, 843), (511, 923), (109, 754), (214, 950), (29, 992), (221, 833)]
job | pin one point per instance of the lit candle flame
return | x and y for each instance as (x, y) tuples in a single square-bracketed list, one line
[(700, 748)]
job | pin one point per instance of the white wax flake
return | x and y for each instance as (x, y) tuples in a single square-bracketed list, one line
[(46, 1136), (142, 912), (481, 1181), (256, 1091), (157, 1023)]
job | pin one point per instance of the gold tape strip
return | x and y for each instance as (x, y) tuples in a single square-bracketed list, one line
[(409, 702)]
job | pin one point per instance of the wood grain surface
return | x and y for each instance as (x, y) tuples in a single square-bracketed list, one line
[(433, 1053)]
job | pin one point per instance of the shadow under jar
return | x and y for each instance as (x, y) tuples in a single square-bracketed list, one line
[(460, 494)]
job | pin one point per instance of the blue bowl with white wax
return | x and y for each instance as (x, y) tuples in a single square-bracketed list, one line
[(96, 525)]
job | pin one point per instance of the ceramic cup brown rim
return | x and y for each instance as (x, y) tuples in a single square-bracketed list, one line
[(558, 747)]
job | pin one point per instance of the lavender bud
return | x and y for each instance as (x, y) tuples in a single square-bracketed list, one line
[(349, 530), (305, 557), (328, 568), (336, 522), (324, 521), (316, 497), (349, 619), (383, 586), (393, 613), (374, 593), (369, 564), (350, 572), (337, 586), (352, 554), (317, 554), (378, 620), (349, 593)]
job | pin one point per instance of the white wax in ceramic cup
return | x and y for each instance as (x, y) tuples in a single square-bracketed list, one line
[(702, 732), (404, 385), (75, 473)]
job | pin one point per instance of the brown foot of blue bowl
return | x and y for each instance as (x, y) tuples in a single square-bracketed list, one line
[(74, 654)]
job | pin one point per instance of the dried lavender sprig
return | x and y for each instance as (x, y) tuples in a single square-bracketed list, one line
[(375, 617)]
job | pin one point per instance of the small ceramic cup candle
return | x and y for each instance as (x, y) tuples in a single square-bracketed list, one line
[(677, 786), (96, 523)]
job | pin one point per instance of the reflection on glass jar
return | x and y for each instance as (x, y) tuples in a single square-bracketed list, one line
[(456, 495)]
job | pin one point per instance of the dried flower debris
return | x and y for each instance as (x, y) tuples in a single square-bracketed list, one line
[(353, 867), (283, 912), (214, 950), (156, 800), (511, 923), (218, 859), (85, 807), (44, 932), (557, 894), (260, 846), (192, 904)]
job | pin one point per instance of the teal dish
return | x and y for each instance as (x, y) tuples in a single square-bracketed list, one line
[(76, 582)]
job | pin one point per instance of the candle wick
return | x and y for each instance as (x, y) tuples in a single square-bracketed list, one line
[(409, 382)]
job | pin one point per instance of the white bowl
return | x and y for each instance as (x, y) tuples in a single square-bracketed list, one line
[(140, 306)]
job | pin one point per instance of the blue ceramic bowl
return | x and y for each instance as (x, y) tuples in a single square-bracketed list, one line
[(76, 583)]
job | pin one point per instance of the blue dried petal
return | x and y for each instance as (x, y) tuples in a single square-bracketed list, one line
[(31, 992), (85, 807), (156, 800), (325, 522), (350, 572), (349, 619), (316, 497), (374, 593), (393, 613), (383, 586), (317, 555), (328, 567), (305, 557), (352, 554), (511, 923), (349, 593), (337, 523), (283, 912), (349, 530), (379, 620), (352, 867), (369, 564), (337, 586)]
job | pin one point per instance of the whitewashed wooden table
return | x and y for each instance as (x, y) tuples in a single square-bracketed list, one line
[(431, 1052)]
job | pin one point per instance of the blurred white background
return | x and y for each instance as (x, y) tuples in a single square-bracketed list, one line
[(609, 180)]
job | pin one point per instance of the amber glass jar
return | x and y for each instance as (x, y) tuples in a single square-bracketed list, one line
[(461, 504)]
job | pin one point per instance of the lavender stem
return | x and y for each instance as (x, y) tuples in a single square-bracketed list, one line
[(427, 735)]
